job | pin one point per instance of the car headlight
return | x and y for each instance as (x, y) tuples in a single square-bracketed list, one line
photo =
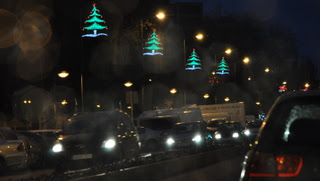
[(247, 132), (170, 141), (57, 148), (218, 136), (235, 135), (197, 138), (110, 143)]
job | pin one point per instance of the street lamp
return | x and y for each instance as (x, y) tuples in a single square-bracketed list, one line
[(173, 91), (246, 60), (161, 15), (258, 103), (199, 36), (284, 83), (128, 85), (206, 96), (307, 85), (267, 70), (228, 51), (63, 74), (227, 99)]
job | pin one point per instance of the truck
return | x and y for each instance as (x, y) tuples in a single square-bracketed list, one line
[(228, 111)]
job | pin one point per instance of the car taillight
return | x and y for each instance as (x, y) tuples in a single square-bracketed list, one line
[(20, 147), (270, 165)]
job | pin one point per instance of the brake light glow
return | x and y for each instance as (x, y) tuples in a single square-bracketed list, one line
[(269, 165)]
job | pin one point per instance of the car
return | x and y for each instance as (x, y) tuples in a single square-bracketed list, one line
[(95, 138), (215, 122), (189, 136), (152, 131), (12, 151), (287, 146), (230, 133), (252, 129)]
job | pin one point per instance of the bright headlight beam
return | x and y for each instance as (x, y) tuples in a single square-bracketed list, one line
[(218, 136), (235, 135), (109, 143), (247, 132), (197, 138), (57, 148), (170, 141)]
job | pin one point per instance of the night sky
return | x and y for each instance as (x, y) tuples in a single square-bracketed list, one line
[(300, 17)]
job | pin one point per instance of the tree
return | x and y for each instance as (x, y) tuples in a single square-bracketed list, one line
[(153, 41), (193, 63), (95, 20), (223, 68)]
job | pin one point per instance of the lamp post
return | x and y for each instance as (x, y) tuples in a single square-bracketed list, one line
[(128, 85)]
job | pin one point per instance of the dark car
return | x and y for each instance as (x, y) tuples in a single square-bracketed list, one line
[(192, 135), (214, 123), (252, 129), (230, 133), (152, 131), (97, 138), (287, 147)]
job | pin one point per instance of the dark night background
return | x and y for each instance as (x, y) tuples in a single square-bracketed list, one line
[(276, 34)]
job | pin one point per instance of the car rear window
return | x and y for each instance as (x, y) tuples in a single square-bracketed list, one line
[(293, 122), (158, 123)]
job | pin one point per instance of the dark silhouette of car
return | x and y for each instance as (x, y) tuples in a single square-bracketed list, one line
[(96, 138), (288, 144), (230, 133), (189, 136)]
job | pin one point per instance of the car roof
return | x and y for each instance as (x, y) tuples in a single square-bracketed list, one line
[(45, 130), (297, 94)]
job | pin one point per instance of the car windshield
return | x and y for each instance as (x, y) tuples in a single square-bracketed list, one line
[(103, 84), (158, 123), (186, 128)]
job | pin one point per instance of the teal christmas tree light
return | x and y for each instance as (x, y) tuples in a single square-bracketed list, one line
[(193, 63), (94, 19), (155, 45), (223, 68)]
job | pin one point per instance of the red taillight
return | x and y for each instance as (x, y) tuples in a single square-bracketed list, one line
[(270, 165), (20, 147)]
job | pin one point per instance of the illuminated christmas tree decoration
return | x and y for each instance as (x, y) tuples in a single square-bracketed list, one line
[(193, 63), (153, 41), (94, 18), (223, 68)]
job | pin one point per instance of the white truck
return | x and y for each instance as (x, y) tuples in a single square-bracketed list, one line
[(230, 111)]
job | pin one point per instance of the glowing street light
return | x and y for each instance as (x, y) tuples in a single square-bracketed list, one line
[(249, 78), (128, 84), (227, 99), (246, 60), (98, 105), (199, 36), (64, 102), (228, 51), (206, 96), (173, 91), (267, 70), (284, 83), (307, 85), (213, 73), (63, 74), (258, 103), (161, 15)]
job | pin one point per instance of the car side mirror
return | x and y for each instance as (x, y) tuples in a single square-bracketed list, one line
[(141, 130)]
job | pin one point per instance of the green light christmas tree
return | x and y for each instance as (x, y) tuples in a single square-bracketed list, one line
[(94, 18), (223, 68), (154, 43), (193, 63)]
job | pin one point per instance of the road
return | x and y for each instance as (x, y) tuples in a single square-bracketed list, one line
[(219, 164)]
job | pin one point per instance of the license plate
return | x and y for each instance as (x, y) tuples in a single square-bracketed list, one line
[(81, 156)]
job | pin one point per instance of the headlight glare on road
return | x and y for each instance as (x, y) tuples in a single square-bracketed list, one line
[(197, 138), (57, 148), (247, 132), (110, 143), (170, 141), (218, 136), (235, 135)]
